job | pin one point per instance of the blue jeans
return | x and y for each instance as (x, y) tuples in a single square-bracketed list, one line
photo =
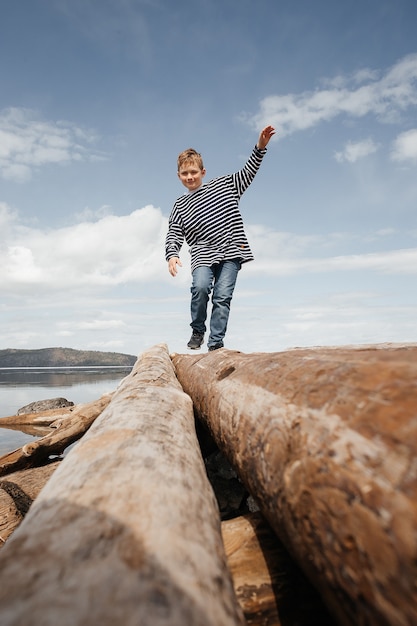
[(221, 278)]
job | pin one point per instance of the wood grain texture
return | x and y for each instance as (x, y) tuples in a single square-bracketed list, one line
[(326, 442), (127, 530)]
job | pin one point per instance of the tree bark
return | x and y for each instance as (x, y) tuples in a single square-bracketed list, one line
[(326, 442), (136, 539)]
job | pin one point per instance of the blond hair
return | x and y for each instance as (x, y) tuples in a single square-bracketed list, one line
[(190, 156)]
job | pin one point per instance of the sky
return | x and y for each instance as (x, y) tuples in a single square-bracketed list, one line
[(97, 99)]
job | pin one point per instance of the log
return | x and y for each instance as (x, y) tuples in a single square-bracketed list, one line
[(45, 418), (325, 440), (270, 588), (67, 430), (137, 537)]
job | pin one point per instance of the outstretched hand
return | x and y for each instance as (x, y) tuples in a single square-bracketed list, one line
[(264, 137)]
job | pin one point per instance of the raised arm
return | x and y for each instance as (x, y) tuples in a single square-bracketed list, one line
[(245, 176)]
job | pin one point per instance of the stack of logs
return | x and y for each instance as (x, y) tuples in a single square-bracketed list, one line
[(127, 529)]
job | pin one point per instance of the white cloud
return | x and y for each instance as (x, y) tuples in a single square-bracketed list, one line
[(405, 146), (20, 267), (15, 171), (353, 151), (27, 143), (385, 98), (111, 251), (104, 284), (389, 262), (120, 250), (88, 214), (269, 243), (99, 324), (286, 254)]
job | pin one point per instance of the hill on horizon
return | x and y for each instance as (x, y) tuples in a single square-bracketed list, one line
[(62, 357)]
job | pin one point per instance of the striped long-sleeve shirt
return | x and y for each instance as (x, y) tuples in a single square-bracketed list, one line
[(210, 221)]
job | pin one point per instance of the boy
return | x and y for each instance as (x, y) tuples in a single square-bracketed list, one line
[(209, 220)]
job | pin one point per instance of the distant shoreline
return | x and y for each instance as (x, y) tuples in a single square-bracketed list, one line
[(63, 358), (66, 367)]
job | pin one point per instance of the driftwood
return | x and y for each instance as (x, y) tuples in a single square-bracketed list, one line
[(326, 442), (66, 430), (270, 588), (43, 418), (136, 539)]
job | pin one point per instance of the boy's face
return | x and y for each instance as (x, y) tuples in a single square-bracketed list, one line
[(191, 175)]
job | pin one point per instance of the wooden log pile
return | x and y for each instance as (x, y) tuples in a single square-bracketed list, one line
[(66, 427), (127, 529), (25, 471), (326, 441)]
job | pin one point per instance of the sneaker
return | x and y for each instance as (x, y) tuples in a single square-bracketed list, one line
[(215, 347), (196, 340)]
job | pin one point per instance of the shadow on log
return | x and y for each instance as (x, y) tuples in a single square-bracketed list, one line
[(127, 530), (17, 493), (326, 442)]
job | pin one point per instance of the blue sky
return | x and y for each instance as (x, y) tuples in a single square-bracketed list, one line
[(99, 96)]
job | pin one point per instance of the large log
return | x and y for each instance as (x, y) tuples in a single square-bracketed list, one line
[(127, 531), (326, 441)]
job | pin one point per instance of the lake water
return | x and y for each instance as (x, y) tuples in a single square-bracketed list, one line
[(20, 386)]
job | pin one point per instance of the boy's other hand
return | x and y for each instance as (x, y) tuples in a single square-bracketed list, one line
[(264, 137), (172, 265)]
